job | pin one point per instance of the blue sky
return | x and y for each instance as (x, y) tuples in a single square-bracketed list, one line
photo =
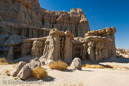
[(100, 14)]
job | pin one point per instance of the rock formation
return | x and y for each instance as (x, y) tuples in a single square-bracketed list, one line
[(58, 46), (25, 18), (96, 45), (28, 29), (76, 64)]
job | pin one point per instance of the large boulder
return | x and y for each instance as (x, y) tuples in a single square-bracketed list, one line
[(34, 63), (18, 68), (25, 72), (76, 64)]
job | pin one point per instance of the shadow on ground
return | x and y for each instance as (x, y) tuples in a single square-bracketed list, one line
[(49, 78), (117, 60), (111, 59)]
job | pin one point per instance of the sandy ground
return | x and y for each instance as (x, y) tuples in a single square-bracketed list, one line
[(86, 76)]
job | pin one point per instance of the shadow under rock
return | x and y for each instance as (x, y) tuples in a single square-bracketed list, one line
[(87, 70), (49, 78), (69, 70)]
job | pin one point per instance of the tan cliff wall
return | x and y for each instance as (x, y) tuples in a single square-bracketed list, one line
[(27, 29), (29, 13), (60, 45)]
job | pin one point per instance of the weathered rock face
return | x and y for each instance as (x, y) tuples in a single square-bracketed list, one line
[(18, 11), (96, 46), (107, 32), (73, 21), (37, 49), (25, 72), (34, 63), (120, 52), (58, 46), (17, 68), (63, 46), (25, 18), (22, 22)]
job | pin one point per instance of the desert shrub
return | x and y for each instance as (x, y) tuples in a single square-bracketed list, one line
[(93, 66), (58, 65), (3, 61), (7, 72), (39, 73)]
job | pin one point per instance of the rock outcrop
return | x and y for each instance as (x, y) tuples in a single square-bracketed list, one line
[(96, 46), (28, 29), (58, 46), (17, 68), (25, 72), (73, 21), (25, 18)]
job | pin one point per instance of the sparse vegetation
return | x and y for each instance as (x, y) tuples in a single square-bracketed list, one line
[(93, 66), (15, 65), (3, 61), (39, 73), (7, 72), (105, 67), (97, 66), (58, 65)]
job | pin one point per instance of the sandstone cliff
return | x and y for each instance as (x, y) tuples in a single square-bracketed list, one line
[(27, 29)]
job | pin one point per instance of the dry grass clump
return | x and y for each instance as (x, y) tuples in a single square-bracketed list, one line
[(105, 67), (15, 65), (93, 66), (58, 65), (80, 84), (97, 66), (39, 73), (3, 61), (7, 72)]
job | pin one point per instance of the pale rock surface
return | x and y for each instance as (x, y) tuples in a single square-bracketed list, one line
[(34, 63), (58, 46), (48, 62), (25, 72), (37, 49), (18, 68), (76, 64)]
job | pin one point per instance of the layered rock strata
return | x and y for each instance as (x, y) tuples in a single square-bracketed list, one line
[(63, 46)]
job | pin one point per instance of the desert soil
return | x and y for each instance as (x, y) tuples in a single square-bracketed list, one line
[(86, 76)]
